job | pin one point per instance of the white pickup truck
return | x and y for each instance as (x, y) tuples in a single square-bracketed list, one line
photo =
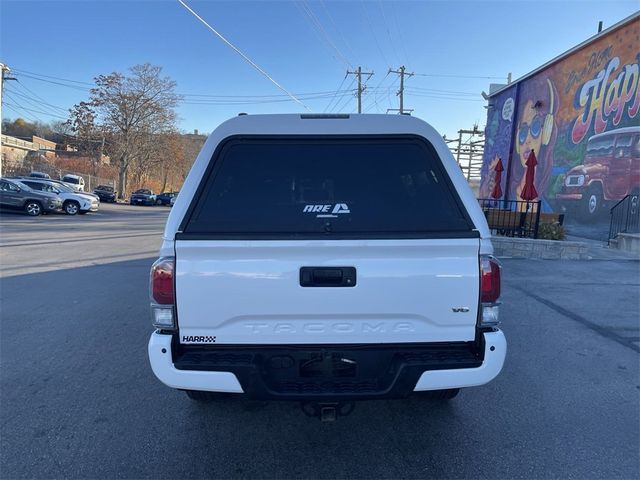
[(325, 258)]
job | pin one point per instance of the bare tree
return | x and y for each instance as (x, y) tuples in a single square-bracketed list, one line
[(192, 144), (132, 112)]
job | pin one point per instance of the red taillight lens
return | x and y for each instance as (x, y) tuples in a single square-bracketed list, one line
[(489, 279), (162, 281)]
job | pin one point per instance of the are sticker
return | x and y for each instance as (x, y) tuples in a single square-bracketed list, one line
[(327, 210)]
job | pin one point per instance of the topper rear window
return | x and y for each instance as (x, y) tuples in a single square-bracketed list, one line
[(319, 187)]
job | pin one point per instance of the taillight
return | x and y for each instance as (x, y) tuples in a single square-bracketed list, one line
[(489, 291), (162, 281), (489, 279), (162, 293)]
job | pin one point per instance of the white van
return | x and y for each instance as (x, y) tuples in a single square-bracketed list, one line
[(75, 181)]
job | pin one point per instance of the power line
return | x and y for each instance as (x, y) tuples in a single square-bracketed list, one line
[(31, 102), (251, 102), (247, 59), (399, 30), (345, 103), (201, 99), (446, 75), (50, 76), (350, 92), (36, 99), (373, 32), (326, 92), (15, 104), (210, 99), (387, 28), (21, 114), (317, 25), (75, 87), (434, 90), (375, 98), (461, 99), (335, 26), (334, 96)]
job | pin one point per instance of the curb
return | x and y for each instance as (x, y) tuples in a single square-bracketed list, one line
[(539, 249)]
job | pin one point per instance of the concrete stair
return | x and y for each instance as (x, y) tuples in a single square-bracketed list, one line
[(629, 242)]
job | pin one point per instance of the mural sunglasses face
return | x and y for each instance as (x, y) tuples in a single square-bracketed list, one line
[(535, 128)]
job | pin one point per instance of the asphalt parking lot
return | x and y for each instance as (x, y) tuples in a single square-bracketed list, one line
[(79, 400)]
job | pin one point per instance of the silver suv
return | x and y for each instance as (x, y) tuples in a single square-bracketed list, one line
[(16, 195)]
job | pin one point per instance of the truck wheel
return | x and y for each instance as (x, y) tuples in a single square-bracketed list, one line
[(33, 208), (71, 207), (200, 396), (439, 394), (592, 203), (158, 202)]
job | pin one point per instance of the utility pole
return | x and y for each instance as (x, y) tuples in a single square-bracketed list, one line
[(3, 70), (469, 152), (400, 93), (361, 88)]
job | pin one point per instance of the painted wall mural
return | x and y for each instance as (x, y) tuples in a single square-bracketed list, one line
[(497, 144), (581, 118)]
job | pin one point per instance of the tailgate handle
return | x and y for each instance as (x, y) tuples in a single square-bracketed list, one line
[(327, 276)]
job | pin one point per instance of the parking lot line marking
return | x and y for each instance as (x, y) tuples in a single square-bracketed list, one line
[(83, 239), (604, 331)]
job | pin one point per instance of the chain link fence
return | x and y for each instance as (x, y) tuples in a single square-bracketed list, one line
[(15, 169)]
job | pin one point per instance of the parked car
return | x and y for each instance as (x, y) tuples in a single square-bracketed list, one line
[(609, 172), (106, 193), (63, 184), (142, 197), (173, 200), (164, 198), (348, 260), (39, 175), (76, 181), (16, 195), (72, 187), (72, 202)]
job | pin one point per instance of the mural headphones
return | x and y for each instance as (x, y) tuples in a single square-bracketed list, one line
[(547, 127)]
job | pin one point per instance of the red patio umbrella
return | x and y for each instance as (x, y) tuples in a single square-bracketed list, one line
[(529, 192), (497, 189)]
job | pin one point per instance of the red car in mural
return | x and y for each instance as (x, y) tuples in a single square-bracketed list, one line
[(610, 171)]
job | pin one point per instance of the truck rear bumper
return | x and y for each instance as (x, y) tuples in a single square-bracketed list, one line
[(308, 372)]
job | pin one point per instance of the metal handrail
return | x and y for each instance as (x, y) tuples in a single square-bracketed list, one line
[(626, 196), (625, 217)]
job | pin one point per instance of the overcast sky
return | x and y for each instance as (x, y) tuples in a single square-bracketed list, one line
[(305, 46)]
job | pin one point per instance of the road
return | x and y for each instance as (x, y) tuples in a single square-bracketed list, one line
[(78, 398)]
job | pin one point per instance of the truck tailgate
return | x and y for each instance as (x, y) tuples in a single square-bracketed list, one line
[(249, 292)]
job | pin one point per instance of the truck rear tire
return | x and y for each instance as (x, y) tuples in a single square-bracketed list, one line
[(439, 394), (200, 396)]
